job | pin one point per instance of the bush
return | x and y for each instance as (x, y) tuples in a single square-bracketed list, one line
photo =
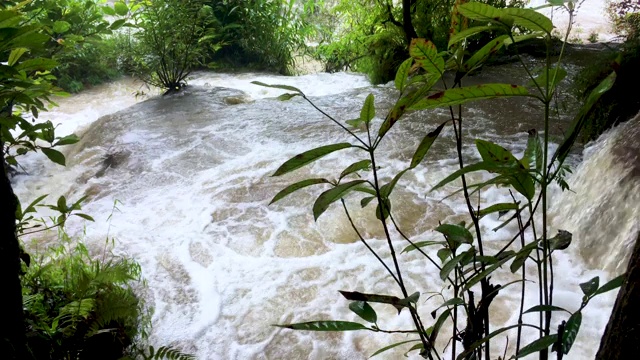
[(78, 306)]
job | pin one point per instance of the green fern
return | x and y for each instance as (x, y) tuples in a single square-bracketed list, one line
[(163, 353)]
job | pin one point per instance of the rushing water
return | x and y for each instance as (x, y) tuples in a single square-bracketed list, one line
[(192, 175)]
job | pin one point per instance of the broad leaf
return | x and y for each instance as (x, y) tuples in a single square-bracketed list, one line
[(426, 55), (364, 310), (480, 56), (278, 86), (529, 19), (328, 325), (443, 254), (403, 74), (522, 255), (365, 201), (538, 345), (466, 94), (61, 27), (555, 76), (328, 197), (54, 155), (571, 331), (383, 209), (307, 157), (590, 287), (297, 186), (485, 13), (455, 234), (450, 265), (68, 140), (470, 32), (561, 241), (425, 145), (121, 8), (15, 55)]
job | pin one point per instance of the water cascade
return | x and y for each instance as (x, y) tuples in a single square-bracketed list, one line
[(192, 172)]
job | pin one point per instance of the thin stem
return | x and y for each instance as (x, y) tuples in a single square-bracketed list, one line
[(335, 121)]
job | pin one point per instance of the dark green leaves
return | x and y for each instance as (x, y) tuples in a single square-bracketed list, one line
[(571, 331), (561, 241), (425, 145), (297, 186), (54, 155), (543, 308), (455, 234), (484, 13), (357, 166), (469, 93), (368, 110), (328, 197), (380, 351), (396, 302), (538, 345), (611, 285), (328, 325), (307, 157), (283, 87), (590, 287), (364, 310)]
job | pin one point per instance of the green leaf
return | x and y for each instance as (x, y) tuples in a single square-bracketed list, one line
[(388, 347), (395, 301), (518, 177), (38, 64), (15, 55), (386, 189), (483, 274), (426, 55), (403, 74), (61, 27), (481, 342), (383, 210), (590, 287), (441, 319), (108, 10), (450, 265), (307, 157), (520, 38), (580, 119), (121, 8), (401, 107), (467, 169), (328, 325), (483, 54), (544, 308), (538, 345), (368, 110), (466, 94), (297, 186), (328, 197), (485, 13), (571, 331), (425, 145), (456, 234), (522, 255), (470, 32), (117, 24), (529, 19), (85, 216), (54, 155), (286, 96), (613, 284), (357, 166), (499, 208), (561, 241), (554, 79), (354, 122), (422, 244), (533, 154), (364, 310), (365, 201), (443, 254), (283, 87), (67, 140), (495, 154)]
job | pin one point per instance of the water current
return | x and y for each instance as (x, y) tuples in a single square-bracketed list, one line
[(191, 174)]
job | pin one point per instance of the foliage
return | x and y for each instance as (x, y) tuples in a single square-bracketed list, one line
[(172, 39), (625, 16), (81, 307), (370, 36), (466, 266), (266, 34)]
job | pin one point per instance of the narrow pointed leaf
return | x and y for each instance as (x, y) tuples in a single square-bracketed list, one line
[(328, 325), (450, 265), (357, 166), (422, 244), (297, 186), (328, 197), (481, 342), (403, 74), (307, 157), (364, 310), (533, 154), (529, 19), (425, 145), (522, 255), (278, 86), (441, 320), (368, 109), (538, 345), (476, 279), (386, 189), (365, 201), (287, 96), (611, 285), (389, 347), (469, 93), (470, 32), (543, 308), (519, 38), (480, 56), (15, 55), (501, 207)]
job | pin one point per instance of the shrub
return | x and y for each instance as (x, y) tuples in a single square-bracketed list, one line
[(78, 306)]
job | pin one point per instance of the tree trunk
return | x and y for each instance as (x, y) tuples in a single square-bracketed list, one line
[(621, 339), (12, 328), (407, 25)]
